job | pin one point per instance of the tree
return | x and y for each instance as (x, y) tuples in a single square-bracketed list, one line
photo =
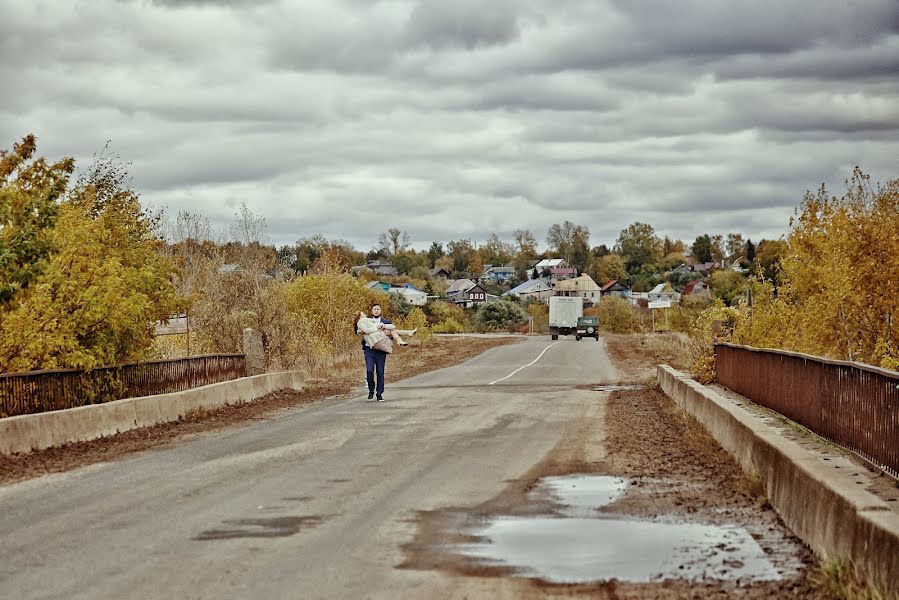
[(750, 251), (729, 286), (497, 252), (475, 263), (525, 251), (393, 241), (609, 267), (718, 251), (571, 242), (535, 274), (29, 193), (767, 257), (105, 283), (434, 252), (702, 249), (460, 252), (601, 250), (736, 247), (638, 245)]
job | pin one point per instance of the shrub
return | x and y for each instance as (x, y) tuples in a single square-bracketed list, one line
[(501, 315), (616, 315)]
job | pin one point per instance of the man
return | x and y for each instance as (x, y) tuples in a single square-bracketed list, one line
[(375, 360)]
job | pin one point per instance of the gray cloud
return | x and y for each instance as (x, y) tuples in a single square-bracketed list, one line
[(461, 119)]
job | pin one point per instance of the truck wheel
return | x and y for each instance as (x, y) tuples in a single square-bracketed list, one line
[(555, 336), (597, 338), (577, 337)]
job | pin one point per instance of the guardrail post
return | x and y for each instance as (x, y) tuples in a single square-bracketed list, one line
[(254, 352)]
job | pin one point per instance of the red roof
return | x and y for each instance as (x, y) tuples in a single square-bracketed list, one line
[(691, 286), (610, 284)]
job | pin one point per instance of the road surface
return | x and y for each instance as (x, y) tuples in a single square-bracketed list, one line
[(314, 503)]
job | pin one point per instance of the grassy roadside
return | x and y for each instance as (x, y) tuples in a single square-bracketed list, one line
[(338, 381)]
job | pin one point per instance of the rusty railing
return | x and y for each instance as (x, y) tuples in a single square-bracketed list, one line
[(40, 391), (853, 405)]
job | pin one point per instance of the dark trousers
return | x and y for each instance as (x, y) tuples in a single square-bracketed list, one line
[(375, 361)]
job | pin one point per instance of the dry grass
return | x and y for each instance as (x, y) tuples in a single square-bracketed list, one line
[(636, 356), (844, 582)]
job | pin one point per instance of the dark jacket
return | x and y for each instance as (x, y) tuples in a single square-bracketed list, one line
[(384, 320)]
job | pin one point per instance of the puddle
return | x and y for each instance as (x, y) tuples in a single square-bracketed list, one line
[(581, 550), (582, 495), (578, 544), (617, 388)]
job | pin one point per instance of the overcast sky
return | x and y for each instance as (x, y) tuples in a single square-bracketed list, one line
[(459, 118)]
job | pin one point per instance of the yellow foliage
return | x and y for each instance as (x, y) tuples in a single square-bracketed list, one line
[(322, 308), (96, 301), (417, 320), (540, 313), (616, 315)]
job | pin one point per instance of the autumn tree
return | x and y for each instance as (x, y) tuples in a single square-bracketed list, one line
[(525, 251), (105, 283), (393, 241), (29, 193), (460, 253), (638, 245), (702, 249), (434, 252), (497, 252), (571, 242), (607, 268)]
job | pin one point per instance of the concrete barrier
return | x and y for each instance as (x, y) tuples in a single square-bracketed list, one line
[(44, 430), (822, 505)]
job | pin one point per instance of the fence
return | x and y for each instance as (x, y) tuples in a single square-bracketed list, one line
[(39, 391), (852, 405)]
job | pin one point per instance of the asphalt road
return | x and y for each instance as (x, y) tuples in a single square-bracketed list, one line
[(314, 503)]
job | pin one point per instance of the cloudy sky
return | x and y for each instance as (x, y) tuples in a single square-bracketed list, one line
[(459, 118)]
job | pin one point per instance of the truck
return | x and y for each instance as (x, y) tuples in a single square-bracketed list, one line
[(587, 327), (564, 312)]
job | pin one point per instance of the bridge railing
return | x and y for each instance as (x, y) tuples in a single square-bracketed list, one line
[(39, 391), (852, 405)]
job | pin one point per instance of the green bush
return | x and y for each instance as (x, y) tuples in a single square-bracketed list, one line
[(501, 316), (450, 325), (616, 315)]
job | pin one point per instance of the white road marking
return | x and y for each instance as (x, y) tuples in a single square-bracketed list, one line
[(527, 365)]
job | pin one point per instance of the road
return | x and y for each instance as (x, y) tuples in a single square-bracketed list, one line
[(314, 503)]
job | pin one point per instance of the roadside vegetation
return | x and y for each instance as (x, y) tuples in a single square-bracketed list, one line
[(86, 271)]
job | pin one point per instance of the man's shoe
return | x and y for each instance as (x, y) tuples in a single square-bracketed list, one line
[(380, 398), (371, 395)]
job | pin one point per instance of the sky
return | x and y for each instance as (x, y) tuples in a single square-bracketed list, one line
[(459, 119)]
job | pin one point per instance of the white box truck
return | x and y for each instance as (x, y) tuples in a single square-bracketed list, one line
[(564, 312)]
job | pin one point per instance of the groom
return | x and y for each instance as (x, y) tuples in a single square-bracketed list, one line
[(375, 360)]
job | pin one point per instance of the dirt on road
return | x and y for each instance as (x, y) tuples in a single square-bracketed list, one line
[(675, 472), (341, 382)]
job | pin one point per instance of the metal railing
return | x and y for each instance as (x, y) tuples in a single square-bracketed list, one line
[(853, 405), (40, 391)]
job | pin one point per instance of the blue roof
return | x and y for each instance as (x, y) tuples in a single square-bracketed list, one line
[(411, 287), (524, 287)]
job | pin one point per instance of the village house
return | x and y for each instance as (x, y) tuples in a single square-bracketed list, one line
[(411, 294), (663, 293), (531, 290), (582, 286), (457, 287), (697, 289), (470, 297), (556, 267), (616, 288), (499, 275), (439, 273)]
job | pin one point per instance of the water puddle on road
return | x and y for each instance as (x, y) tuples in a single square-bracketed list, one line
[(618, 388), (581, 545)]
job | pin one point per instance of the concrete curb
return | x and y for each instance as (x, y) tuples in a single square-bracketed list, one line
[(835, 516), (45, 430)]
